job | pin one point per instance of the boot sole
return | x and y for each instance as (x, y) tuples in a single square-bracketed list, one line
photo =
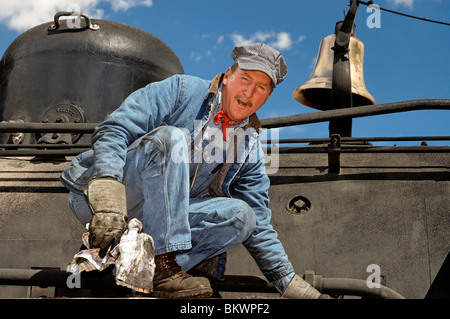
[(204, 292)]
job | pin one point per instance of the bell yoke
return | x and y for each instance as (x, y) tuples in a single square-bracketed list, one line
[(195, 210)]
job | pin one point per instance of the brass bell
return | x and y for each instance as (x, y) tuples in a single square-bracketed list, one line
[(316, 92)]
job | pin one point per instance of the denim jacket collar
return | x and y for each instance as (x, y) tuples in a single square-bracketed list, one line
[(214, 87)]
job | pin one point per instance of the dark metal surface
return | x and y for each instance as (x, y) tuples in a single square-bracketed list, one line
[(389, 209), (105, 280), (72, 67), (28, 127), (439, 289)]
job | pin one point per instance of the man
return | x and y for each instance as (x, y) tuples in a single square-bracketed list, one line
[(183, 156)]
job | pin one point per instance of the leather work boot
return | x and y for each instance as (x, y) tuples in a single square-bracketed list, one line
[(170, 281)]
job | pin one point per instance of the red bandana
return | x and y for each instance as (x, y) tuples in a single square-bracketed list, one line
[(221, 116)]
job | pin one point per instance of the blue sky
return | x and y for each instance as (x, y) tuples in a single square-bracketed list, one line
[(405, 59)]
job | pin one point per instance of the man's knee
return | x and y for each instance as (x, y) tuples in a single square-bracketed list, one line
[(170, 136), (171, 140), (245, 218)]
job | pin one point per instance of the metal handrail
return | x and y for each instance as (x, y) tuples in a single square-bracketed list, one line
[(355, 112), (27, 127), (307, 118)]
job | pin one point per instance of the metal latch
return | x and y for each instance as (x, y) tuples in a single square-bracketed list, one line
[(334, 154)]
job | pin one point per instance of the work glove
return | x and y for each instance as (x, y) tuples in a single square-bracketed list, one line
[(298, 288), (107, 199)]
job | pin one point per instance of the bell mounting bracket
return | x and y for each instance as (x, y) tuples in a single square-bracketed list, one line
[(341, 89)]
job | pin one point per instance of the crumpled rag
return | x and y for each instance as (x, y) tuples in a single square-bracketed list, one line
[(133, 257)]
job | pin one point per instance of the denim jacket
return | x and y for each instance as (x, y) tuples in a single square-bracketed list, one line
[(179, 101)]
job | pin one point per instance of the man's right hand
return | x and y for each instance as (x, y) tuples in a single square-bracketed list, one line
[(107, 199)]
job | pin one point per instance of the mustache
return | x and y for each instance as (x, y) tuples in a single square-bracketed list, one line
[(244, 100)]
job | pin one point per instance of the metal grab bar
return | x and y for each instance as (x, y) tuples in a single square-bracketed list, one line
[(307, 118), (354, 112)]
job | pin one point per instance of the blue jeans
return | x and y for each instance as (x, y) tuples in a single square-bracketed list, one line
[(157, 185)]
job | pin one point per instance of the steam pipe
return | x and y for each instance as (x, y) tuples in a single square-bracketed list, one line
[(356, 287)]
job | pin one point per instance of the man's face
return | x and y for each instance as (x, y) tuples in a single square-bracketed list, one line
[(244, 92)]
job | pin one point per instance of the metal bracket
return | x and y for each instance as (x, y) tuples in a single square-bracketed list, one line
[(313, 279), (89, 25), (334, 154), (341, 91)]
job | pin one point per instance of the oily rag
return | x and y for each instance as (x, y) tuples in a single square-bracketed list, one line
[(133, 259)]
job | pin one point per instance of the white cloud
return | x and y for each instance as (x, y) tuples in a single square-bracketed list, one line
[(124, 5), (280, 41), (239, 39), (406, 3), (264, 36), (24, 14), (196, 56), (283, 41)]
